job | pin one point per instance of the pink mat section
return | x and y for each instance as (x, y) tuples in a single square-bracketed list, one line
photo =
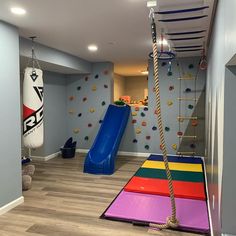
[(192, 214)]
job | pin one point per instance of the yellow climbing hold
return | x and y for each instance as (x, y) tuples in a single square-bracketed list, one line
[(138, 131), (134, 113), (180, 120), (76, 130), (92, 110), (169, 103), (94, 88), (71, 111), (174, 146)]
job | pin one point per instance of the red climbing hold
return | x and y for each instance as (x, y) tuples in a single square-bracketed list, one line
[(194, 123), (105, 72), (144, 123), (136, 108), (171, 88), (90, 125), (134, 121), (84, 99), (86, 78), (180, 133), (148, 137)]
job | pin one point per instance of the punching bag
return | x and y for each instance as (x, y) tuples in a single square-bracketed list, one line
[(33, 108)]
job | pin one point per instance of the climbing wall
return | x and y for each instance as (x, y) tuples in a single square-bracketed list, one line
[(142, 133), (88, 97)]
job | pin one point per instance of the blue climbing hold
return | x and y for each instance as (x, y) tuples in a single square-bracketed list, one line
[(145, 109), (188, 90), (135, 140), (154, 128), (96, 76), (163, 63)]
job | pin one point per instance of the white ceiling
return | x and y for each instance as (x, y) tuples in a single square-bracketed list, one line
[(120, 28)]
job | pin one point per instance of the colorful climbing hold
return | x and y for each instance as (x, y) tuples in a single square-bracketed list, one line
[(138, 131), (144, 123), (146, 147), (180, 120), (191, 66), (71, 111), (163, 63), (193, 145), (86, 138), (92, 110), (180, 133), (106, 72), (169, 103), (167, 128), (79, 87), (171, 87), (80, 114), (174, 146), (188, 90), (169, 73), (148, 137), (145, 108), (134, 121), (105, 86), (142, 114), (86, 78), (84, 99), (161, 147), (135, 140), (100, 121), (154, 128), (134, 113), (76, 130), (103, 103), (90, 125), (71, 98), (194, 122), (190, 106), (94, 88), (136, 108), (96, 76), (156, 112)]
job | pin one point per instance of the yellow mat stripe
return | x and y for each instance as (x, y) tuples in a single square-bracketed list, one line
[(173, 166)]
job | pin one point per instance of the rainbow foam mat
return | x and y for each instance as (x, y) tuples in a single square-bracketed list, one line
[(145, 198)]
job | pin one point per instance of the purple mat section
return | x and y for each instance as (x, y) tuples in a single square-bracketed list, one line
[(192, 214)]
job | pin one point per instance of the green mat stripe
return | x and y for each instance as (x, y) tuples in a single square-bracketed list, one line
[(176, 175)]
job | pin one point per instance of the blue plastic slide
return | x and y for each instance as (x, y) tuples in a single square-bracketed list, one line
[(101, 157)]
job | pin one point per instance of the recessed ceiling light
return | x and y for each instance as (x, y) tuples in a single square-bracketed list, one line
[(18, 11), (92, 48)]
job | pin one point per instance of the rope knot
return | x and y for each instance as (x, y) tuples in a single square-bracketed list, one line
[(173, 223)]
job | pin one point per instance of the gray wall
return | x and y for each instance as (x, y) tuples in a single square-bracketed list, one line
[(10, 132), (228, 186), (219, 150), (55, 123)]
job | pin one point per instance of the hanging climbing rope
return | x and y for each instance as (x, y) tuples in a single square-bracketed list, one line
[(171, 220)]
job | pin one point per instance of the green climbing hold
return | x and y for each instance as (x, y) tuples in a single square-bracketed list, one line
[(103, 103), (119, 103), (190, 106), (191, 66), (169, 73), (146, 147), (167, 128), (86, 138)]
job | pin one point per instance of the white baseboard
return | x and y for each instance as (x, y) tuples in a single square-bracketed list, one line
[(11, 205), (120, 153), (46, 158)]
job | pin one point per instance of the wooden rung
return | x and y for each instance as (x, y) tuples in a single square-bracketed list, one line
[(187, 117), (186, 78), (187, 99), (186, 153), (187, 136)]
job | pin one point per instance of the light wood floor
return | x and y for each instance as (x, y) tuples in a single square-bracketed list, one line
[(66, 202)]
